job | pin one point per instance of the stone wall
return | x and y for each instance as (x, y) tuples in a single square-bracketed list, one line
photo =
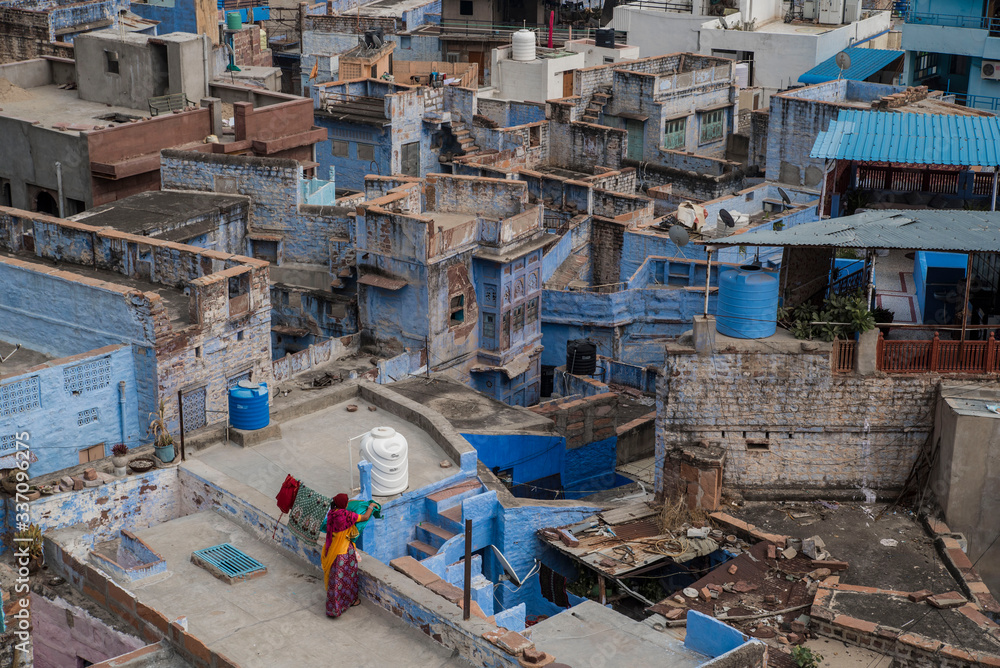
[(786, 421), (607, 239), (22, 30)]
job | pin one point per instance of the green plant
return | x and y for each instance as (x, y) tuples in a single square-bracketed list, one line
[(778, 225), (158, 427), (841, 316), (806, 658), (882, 314), (856, 199)]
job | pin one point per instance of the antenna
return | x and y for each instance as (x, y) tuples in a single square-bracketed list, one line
[(843, 62), (727, 218), (723, 24), (678, 235), (785, 199)]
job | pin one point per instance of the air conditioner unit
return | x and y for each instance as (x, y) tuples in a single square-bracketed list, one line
[(991, 69)]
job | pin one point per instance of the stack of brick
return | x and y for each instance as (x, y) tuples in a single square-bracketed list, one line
[(582, 421), (901, 99), (249, 52)]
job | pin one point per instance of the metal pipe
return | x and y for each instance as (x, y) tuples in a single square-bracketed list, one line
[(966, 307), (993, 201), (59, 189), (467, 595), (180, 408), (121, 409), (708, 277), (205, 51)]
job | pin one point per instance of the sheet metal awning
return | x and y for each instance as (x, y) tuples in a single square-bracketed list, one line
[(930, 229), (916, 139), (384, 282), (864, 63), (512, 369)]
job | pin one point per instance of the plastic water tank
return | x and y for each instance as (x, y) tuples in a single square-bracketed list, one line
[(722, 230), (581, 357), (386, 449), (523, 43), (748, 303), (234, 21), (248, 406), (605, 38)]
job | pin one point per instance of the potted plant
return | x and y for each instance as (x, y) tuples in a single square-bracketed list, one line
[(163, 442), (883, 316), (119, 454), (30, 539)]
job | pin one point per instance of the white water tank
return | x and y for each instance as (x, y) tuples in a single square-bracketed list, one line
[(743, 75), (386, 449), (742, 220), (523, 43)]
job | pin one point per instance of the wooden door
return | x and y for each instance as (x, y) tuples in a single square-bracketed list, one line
[(635, 136), (477, 57), (567, 83)]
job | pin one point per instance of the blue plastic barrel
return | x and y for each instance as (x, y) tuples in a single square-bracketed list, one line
[(748, 303), (248, 408)]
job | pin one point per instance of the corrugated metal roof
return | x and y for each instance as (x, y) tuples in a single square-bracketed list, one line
[(864, 63), (930, 229), (384, 282), (922, 139)]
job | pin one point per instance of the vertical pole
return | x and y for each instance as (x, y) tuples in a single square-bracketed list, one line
[(602, 589), (966, 310), (180, 408), (871, 280), (708, 278), (993, 200), (467, 595)]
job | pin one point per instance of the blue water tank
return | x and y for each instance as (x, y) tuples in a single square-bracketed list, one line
[(748, 303), (248, 406)]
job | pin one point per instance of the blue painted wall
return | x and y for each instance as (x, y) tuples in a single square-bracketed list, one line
[(174, 15), (710, 636), (531, 457), (77, 407)]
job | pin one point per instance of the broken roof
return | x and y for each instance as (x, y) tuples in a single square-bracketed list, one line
[(922, 229), (164, 214)]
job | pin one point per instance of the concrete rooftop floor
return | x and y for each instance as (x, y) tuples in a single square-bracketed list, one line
[(19, 361), (314, 449), (278, 619), (50, 105), (591, 635)]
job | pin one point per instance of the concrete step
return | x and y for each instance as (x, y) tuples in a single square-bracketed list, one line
[(432, 534), (451, 519), (452, 496), (588, 118), (420, 550), (460, 133), (466, 143)]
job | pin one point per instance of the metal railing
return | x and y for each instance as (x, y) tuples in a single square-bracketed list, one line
[(907, 356), (984, 102), (662, 5), (954, 21), (844, 353), (473, 28)]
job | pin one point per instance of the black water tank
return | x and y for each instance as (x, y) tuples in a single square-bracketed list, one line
[(581, 357), (548, 378), (605, 38)]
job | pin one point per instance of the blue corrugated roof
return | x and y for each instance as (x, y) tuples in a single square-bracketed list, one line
[(918, 139), (864, 63)]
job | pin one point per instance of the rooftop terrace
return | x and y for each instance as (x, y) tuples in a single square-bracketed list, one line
[(163, 214), (16, 363)]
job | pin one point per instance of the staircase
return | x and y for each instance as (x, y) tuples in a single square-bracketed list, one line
[(464, 138), (596, 106), (445, 507)]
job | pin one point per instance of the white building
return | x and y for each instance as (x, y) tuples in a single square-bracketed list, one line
[(601, 55), (527, 73), (754, 32)]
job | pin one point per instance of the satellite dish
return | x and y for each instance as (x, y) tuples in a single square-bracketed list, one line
[(843, 62), (723, 24), (784, 196), (727, 218), (678, 235), (376, 41)]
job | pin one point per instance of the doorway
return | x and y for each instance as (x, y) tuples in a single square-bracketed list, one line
[(634, 129)]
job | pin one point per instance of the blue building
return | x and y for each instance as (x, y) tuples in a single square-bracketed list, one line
[(453, 265), (954, 45)]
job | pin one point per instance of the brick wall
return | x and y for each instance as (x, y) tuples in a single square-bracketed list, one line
[(606, 240), (246, 45), (21, 31), (353, 24), (786, 421)]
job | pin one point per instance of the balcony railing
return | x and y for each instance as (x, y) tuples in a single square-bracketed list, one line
[(984, 102), (907, 356), (843, 355), (955, 21)]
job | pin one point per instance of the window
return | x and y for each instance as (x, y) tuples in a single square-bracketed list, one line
[(197, 351), (338, 148), (111, 62), (532, 311), (404, 41), (366, 152), (518, 324), (452, 57), (960, 65), (713, 125), (239, 335), (457, 310), (926, 65), (264, 249), (411, 159), (489, 326), (239, 294), (675, 134), (92, 454), (465, 7), (608, 60)]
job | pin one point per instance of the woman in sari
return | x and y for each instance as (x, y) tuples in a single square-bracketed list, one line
[(340, 563)]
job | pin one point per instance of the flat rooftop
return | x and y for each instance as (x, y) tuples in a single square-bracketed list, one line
[(470, 411), (278, 619), (390, 8), (175, 301), (448, 220), (16, 363), (315, 449), (150, 213), (49, 105), (591, 631)]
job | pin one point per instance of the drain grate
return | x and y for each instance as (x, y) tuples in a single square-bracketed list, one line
[(227, 563)]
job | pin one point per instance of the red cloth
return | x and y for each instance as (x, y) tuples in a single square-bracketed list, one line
[(286, 495)]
